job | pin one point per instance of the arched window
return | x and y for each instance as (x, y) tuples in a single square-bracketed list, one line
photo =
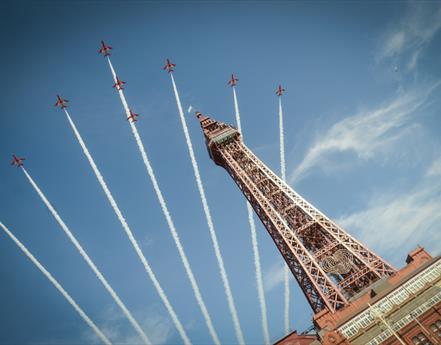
[(436, 328), (421, 339)]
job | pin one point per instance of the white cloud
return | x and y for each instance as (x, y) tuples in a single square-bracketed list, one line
[(398, 218), (366, 134), (409, 38), (147, 241), (114, 325), (393, 44), (274, 276), (435, 168)]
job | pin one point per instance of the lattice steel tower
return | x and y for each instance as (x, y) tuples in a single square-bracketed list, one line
[(328, 263)]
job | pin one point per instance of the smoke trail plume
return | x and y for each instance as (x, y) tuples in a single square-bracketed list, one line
[(57, 285), (231, 304), (128, 231), (259, 281), (283, 175), (172, 230), (89, 261), (236, 111), (287, 292), (282, 142)]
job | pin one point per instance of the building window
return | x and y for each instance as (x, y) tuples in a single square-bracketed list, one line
[(421, 339), (436, 328)]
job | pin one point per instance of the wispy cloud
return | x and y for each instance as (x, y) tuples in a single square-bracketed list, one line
[(435, 168), (364, 134), (158, 328), (274, 276), (396, 218), (412, 34), (146, 241)]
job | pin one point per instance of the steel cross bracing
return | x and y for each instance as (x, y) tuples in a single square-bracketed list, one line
[(303, 235)]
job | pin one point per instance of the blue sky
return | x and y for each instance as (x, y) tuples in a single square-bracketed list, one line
[(362, 121)]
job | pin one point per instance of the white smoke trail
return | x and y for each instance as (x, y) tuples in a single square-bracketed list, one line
[(231, 304), (57, 285), (172, 230), (128, 231), (258, 273), (224, 276), (286, 288), (259, 281), (236, 108), (282, 142), (88, 259), (283, 175)]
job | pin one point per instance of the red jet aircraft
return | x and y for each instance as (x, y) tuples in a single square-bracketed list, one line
[(17, 161), (233, 80), (105, 49), (61, 102), (280, 90), (132, 117), (119, 84), (169, 66)]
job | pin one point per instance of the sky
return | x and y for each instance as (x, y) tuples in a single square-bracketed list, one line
[(362, 117)]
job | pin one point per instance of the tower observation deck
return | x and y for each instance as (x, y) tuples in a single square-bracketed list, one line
[(339, 276)]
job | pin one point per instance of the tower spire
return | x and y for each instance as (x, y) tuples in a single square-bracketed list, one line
[(329, 264)]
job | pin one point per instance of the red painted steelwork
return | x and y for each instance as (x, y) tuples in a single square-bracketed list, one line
[(305, 237)]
